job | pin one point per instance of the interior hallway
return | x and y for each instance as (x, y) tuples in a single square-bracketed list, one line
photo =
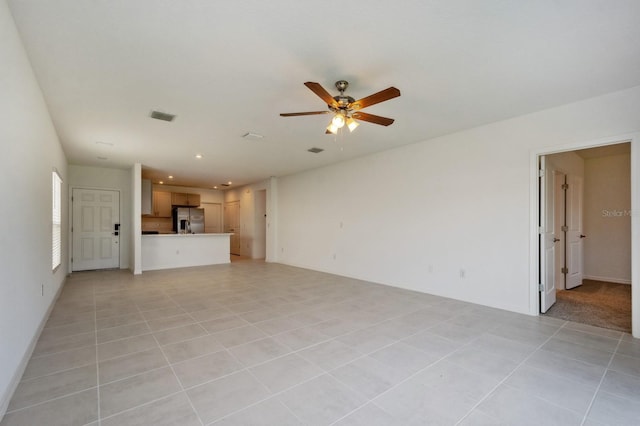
[(251, 343), (598, 303)]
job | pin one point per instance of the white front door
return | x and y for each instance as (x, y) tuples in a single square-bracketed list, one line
[(575, 236), (547, 239), (232, 224), (96, 243)]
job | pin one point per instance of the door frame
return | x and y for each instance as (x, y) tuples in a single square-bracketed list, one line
[(70, 234), (634, 140), (546, 233)]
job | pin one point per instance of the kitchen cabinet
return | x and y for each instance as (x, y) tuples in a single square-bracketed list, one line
[(146, 201), (185, 200), (161, 204)]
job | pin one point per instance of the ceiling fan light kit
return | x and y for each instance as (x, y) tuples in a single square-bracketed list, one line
[(345, 109)]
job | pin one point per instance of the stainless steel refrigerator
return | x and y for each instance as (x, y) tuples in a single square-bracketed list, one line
[(188, 220)]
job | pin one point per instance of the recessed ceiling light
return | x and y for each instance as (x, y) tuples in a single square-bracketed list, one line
[(170, 177), (102, 158), (198, 156), (158, 115), (229, 183), (315, 150), (161, 183), (215, 187)]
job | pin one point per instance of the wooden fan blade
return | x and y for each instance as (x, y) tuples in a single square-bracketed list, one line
[(376, 98), (321, 92), (295, 114), (376, 119)]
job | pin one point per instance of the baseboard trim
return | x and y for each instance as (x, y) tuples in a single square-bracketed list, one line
[(15, 381), (607, 279)]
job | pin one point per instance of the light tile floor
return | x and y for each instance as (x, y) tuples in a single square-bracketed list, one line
[(265, 344)]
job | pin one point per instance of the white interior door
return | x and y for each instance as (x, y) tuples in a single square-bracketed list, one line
[(96, 241), (559, 219), (547, 240), (232, 225), (259, 249), (212, 217), (575, 237)]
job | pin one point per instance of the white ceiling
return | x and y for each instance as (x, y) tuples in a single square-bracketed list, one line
[(228, 68)]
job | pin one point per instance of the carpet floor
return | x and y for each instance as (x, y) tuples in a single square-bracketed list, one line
[(598, 303)]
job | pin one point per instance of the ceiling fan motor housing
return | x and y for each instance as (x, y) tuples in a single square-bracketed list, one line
[(342, 85)]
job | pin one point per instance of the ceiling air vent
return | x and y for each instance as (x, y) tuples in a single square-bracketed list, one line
[(315, 150), (252, 135), (162, 116)]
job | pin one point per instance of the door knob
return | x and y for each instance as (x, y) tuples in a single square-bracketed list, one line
[(583, 236), (555, 240)]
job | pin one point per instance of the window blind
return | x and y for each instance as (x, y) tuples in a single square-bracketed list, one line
[(56, 220)]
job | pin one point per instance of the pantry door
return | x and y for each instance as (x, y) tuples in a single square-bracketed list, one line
[(232, 224), (95, 230)]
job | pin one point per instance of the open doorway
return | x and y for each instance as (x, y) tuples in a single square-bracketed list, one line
[(585, 236)]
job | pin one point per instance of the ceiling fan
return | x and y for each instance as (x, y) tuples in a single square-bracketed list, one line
[(345, 109)]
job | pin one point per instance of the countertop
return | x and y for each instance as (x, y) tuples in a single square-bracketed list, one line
[(188, 235)]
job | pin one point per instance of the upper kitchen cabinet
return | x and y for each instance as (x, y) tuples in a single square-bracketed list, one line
[(185, 200), (146, 201), (161, 204)]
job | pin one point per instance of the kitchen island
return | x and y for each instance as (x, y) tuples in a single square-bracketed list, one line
[(165, 251)]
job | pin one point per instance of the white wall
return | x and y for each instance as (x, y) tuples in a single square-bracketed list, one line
[(251, 244), (416, 216), (107, 178), (136, 219), (30, 151), (607, 218)]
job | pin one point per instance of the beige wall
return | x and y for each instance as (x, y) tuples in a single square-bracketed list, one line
[(607, 218)]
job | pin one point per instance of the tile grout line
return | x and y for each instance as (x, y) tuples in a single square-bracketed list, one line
[(95, 319), (171, 367), (271, 394), (50, 400), (537, 348), (604, 374), (306, 347)]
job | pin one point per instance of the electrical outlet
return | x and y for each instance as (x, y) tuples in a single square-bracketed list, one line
[(463, 273), (430, 268), (334, 256)]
